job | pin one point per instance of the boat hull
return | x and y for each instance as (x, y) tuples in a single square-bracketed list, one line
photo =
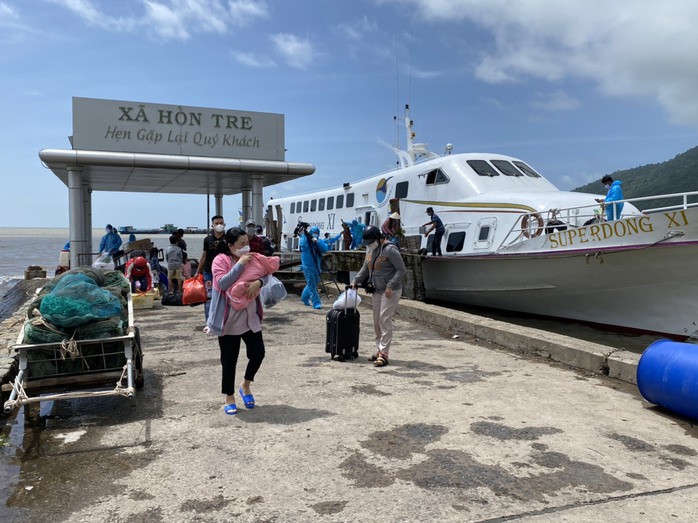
[(652, 289)]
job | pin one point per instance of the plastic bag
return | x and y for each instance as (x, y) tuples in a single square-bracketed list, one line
[(104, 262), (194, 290), (273, 292), (349, 299)]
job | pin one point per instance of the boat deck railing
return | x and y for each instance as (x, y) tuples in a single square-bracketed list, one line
[(533, 224)]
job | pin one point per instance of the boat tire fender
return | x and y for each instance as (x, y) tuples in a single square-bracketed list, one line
[(534, 231)]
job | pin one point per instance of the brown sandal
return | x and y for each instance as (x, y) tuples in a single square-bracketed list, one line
[(381, 360)]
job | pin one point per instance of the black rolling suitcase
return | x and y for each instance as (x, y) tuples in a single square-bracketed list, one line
[(343, 332)]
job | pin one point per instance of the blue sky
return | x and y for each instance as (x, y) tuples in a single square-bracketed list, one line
[(577, 88)]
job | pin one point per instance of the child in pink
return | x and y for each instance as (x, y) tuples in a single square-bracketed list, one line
[(258, 266)]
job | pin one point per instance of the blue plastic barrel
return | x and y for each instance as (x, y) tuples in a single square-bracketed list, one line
[(667, 375)]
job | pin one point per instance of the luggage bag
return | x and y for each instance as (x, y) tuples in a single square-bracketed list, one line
[(343, 332)]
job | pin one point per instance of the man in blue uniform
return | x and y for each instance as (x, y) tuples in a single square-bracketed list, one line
[(111, 242), (312, 250), (614, 194), (438, 227)]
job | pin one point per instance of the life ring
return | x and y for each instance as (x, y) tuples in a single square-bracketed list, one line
[(526, 222)]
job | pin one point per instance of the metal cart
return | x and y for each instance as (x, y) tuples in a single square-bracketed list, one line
[(76, 368)]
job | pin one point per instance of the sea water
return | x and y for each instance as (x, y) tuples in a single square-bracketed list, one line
[(21, 247)]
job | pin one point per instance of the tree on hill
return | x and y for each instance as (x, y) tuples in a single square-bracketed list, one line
[(677, 175)]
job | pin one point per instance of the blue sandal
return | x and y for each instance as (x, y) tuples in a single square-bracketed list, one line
[(231, 409), (247, 399)]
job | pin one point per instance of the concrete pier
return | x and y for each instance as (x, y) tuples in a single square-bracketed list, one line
[(473, 420)]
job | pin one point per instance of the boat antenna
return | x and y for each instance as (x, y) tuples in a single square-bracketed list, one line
[(397, 96)]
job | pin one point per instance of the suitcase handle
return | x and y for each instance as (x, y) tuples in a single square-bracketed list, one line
[(346, 298)]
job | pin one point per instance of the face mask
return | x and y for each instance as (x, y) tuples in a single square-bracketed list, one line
[(607, 186), (371, 246), (219, 228), (243, 250), (251, 231)]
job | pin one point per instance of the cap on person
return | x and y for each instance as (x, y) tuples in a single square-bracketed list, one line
[(140, 262), (249, 223), (109, 226), (394, 216)]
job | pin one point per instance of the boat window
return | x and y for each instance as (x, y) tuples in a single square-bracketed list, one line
[(305, 206), (298, 207), (506, 168), (340, 201), (350, 199), (293, 207), (455, 241), (484, 233), (482, 168), (527, 170), (401, 189), (330, 203), (313, 205), (321, 204), (436, 176)]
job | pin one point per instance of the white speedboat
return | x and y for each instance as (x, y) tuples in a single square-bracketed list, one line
[(513, 241)]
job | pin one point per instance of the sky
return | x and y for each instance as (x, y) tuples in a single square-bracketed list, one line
[(576, 88)]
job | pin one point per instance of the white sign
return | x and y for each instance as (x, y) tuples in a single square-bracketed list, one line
[(118, 126)]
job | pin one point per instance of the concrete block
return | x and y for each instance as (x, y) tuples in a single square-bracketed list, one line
[(622, 365)]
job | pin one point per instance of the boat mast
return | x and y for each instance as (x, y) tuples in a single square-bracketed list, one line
[(409, 156)]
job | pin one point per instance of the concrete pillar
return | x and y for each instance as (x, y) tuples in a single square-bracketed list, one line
[(257, 198), (246, 193), (219, 205), (87, 216), (78, 247)]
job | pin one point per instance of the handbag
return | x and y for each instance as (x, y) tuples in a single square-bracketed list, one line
[(194, 290), (273, 292)]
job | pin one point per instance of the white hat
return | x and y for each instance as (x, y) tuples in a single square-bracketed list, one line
[(394, 216)]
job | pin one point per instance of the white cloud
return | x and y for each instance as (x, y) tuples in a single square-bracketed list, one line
[(173, 19), (252, 60), (297, 52), (555, 101), (358, 29), (639, 48), (6, 12)]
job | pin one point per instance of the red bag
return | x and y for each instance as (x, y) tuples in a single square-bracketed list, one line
[(194, 290)]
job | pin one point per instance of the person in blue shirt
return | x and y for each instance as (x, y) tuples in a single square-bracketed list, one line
[(312, 249), (438, 227), (330, 241), (614, 194), (111, 242), (357, 233)]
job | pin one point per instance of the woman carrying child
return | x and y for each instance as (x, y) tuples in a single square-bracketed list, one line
[(231, 325)]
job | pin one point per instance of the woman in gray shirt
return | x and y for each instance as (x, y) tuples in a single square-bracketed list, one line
[(383, 271)]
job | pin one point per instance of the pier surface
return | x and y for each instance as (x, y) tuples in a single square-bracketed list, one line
[(473, 420)]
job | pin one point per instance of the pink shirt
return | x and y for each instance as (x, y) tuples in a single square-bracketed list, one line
[(236, 322)]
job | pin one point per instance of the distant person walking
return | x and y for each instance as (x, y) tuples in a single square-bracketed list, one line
[(614, 194), (438, 227), (110, 242), (210, 250), (175, 260)]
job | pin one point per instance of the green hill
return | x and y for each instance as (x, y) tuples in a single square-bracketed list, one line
[(679, 174)]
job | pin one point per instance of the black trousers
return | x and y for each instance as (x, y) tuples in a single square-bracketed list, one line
[(436, 244), (230, 349)]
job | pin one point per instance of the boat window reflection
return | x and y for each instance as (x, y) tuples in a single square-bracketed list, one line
[(506, 168), (455, 241), (482, 168), (350, 199), (401, 189), (330, 203), (340, 201), (528, 171)]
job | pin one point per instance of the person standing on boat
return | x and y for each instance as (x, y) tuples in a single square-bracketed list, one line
[(230, 325), (391, 228), (312, 249), (438, 227), (357, 232), (110, 242), (346, 236), (210, 249), (383, 271), (614, 194)]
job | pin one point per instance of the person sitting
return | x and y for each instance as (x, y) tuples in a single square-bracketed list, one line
[(614, 194)]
